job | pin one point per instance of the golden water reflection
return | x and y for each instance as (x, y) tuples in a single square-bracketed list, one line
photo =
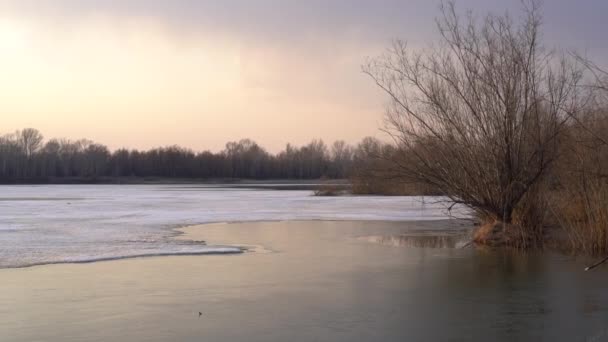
[(420, 240)]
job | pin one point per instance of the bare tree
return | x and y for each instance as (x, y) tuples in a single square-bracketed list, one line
[(600, 76), (480, 113), (341, 158), (30, 140)]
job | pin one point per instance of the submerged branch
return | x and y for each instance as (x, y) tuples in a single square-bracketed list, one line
[(589, 268)]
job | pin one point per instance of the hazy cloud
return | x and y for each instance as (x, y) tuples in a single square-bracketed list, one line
[(226, 65)]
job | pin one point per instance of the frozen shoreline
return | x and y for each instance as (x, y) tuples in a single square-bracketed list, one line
[(54, 224)]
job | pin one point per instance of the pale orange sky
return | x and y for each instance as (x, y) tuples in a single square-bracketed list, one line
[(134, 82), (142, 74)]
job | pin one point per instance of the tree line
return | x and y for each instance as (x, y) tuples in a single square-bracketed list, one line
[(26, 157)]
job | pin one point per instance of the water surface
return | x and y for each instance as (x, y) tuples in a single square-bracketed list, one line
[(312, 281)]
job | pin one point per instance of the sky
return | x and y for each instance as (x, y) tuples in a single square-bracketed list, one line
[(147, 73)]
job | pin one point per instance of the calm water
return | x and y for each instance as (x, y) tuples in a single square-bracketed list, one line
[(313, 281)]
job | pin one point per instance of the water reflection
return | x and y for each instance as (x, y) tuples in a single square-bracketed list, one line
[(420, 240)]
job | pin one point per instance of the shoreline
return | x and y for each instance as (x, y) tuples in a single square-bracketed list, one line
[(195, 233), (173, 181), (46, 224), (119, 258)]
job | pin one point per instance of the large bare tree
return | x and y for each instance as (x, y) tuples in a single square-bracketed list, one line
[(478, 115)]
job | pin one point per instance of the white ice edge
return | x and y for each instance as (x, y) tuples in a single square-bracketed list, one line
[(85, 223)]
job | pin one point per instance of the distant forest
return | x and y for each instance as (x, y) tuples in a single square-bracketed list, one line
[(26, 157)]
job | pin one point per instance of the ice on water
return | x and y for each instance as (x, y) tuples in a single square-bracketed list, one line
[(84, 223)]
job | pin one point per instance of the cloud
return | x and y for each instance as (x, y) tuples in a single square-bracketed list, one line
[(283, 20), (296, 20), (274, 70)]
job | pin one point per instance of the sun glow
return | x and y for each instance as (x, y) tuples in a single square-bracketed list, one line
[(128, 75), (13, 37), (102, 77)]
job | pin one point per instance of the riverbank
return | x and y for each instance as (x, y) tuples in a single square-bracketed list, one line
[(309, 183)]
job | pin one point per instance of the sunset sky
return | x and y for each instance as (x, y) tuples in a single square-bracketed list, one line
[(147, 73)]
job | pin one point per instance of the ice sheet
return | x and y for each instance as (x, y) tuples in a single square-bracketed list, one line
[(84, 223)]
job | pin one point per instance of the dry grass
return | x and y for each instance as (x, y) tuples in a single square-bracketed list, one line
[(583, 214), (579, 204), (378, 185)]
